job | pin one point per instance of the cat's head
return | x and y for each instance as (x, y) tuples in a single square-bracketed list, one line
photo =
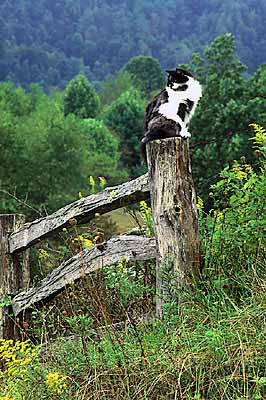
[(178, 77)]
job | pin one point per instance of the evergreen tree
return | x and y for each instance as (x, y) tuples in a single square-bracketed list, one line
[(81, 98), (125, 117), (146, 72)]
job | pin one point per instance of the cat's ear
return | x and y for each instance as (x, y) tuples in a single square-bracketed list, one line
[(170, 72)]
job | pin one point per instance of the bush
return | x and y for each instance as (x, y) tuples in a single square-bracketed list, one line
[(236, 228), (24, 375)]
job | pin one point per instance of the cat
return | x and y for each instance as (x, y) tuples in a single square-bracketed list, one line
[(169, 113)]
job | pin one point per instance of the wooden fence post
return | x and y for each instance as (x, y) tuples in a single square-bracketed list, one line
[(174, 208), (14, 274)]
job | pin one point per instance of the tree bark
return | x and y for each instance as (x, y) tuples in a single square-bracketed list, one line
[(174, 209), (14, 274)]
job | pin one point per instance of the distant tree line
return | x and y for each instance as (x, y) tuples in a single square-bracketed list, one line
[(50, 42)]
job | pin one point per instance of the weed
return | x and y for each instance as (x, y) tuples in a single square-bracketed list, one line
[(23, 376)]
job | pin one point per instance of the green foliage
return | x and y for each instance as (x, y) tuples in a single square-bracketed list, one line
[(81, 99), (100, 138), (212, 348), (229, 104), (98, 38), (46, 158), (48, 154), (146, 73), (102, 149), (15, 101), (128, 282), (24, 375), (236, 229), (125, 117), (112, 88)]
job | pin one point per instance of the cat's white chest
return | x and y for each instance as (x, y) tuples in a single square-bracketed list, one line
[(170, 109)]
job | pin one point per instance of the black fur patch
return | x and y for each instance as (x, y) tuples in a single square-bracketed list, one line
[(181, 88), (178, 128), (190, 104), (182, 110)]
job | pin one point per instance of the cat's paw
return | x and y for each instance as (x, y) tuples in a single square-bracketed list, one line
[(184, 133)]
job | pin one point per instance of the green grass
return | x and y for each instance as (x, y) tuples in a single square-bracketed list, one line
[(214, 349), (211, 347), (123, 220)]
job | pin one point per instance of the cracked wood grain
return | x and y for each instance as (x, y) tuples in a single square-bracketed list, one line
[(82, 210), (131, 247)]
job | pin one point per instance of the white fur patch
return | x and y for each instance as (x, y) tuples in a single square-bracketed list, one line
[(175, 98)]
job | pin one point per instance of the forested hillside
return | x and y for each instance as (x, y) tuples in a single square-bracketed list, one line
[(52, 143), (50, 42)]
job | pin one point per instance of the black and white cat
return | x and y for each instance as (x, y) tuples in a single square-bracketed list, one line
[(169, 113)]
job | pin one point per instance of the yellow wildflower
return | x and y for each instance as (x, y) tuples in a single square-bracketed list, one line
[(55, 382), (200, 204), (43, 253), (102, 182), (87, 243), (238, 170)]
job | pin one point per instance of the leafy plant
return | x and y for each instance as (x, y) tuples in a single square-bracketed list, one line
[(23, 374), (127, 281), (238, 223), (146, 214)]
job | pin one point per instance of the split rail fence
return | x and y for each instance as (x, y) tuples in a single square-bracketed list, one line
[(176, 235)]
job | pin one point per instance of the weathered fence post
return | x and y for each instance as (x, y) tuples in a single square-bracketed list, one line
[(14, 274), (174, 210)]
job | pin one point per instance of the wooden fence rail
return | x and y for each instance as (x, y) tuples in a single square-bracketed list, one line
[(175, 220), (15, 239), (129, 247), (82, 210)]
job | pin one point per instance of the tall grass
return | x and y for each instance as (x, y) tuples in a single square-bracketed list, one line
[(213, 348)]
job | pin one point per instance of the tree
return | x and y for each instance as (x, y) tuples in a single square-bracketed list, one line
[(220, 127), (51, 160), (67, 34), (102, 151), (46, 158), (112, 87), (125, 117), (146, 72), (81, 99)]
